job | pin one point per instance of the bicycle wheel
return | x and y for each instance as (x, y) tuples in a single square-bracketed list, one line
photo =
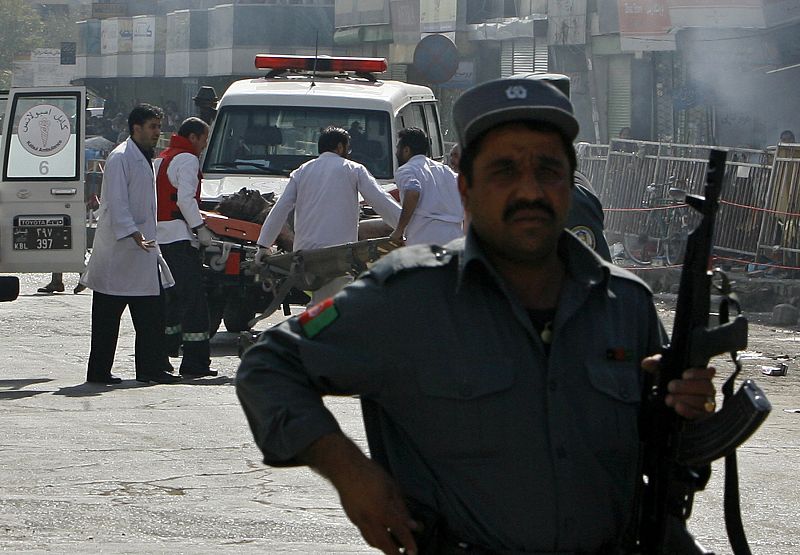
[(642, 247), (675, 246)]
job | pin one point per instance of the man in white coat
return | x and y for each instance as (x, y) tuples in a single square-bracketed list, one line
[(432, 211), (124, 269), (324, 196)]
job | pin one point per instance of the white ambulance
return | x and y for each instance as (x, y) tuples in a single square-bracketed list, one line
[(42, 205), (268, 126)]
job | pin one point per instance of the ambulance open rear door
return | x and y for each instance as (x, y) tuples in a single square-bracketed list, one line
[(42, 205)]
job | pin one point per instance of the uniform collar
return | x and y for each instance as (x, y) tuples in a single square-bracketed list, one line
[(582, 264)]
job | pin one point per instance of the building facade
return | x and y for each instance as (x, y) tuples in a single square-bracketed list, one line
[(688, 71)]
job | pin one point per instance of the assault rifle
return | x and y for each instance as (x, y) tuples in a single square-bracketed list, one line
[(677, 454)]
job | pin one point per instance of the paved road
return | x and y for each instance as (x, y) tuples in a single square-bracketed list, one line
[(147, 469)]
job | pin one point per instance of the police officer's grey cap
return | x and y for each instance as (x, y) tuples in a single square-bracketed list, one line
[(512, 100), (558, 80)]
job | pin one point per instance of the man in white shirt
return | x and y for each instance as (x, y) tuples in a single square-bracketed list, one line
[(324, 196), (432, 211), (180, 231)]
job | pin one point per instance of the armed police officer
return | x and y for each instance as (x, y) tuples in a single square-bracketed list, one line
[(508, 421)]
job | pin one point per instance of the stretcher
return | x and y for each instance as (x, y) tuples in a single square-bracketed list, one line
[(308, 270), (243, 291)]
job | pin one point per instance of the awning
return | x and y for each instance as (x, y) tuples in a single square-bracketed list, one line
[(504, 29), (349, 36)]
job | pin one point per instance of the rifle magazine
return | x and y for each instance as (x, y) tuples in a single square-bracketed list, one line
[(703, 441)]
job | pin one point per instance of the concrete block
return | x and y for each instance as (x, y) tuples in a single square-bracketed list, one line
[(784, 315)]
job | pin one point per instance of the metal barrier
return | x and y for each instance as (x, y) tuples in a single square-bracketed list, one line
[(593, 160), (779, 240), (759, 217)]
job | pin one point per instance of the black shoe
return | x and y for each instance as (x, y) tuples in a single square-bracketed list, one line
[(51, 287), (109, 379), (158, 377), (198, 372), (167, 367)]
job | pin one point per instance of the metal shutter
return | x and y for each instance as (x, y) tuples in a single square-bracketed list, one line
[(523, 56), (397, 72), (619, 94), (542, 60)]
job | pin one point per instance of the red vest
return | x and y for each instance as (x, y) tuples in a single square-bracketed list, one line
[(166, 192)]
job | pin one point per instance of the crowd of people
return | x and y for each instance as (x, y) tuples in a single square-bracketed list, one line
[(165, 292), (145, 252), (496, 420)]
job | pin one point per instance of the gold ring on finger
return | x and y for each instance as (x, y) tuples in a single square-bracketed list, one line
[(710, 405)]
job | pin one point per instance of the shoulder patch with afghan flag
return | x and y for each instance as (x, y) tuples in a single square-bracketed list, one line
[(318, 317)]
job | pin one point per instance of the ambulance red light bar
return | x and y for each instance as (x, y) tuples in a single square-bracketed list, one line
[(306, 63)]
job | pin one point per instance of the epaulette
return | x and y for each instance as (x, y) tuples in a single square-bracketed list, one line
[(409, 258), (622, 273)]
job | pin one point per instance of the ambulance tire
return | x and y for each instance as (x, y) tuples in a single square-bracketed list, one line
[(238, 313), (216, 307), (215, 310)]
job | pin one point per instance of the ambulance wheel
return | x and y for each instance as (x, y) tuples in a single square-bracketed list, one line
[(215, 310), (238, 312), (216, 307)]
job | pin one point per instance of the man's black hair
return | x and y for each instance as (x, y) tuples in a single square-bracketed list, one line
[(191, 126), (331, 137), (415, 139), (142, 113), (465, 164)]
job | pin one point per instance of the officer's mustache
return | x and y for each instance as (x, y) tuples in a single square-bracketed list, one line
[(512, 209)]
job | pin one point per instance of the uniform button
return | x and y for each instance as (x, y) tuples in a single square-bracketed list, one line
[(552, 385), (561, 453), (623, 392)]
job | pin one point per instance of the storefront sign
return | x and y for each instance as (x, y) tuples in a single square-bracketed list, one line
[(102, 11)]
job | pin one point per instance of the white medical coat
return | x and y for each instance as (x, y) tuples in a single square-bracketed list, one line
[(118, 266)]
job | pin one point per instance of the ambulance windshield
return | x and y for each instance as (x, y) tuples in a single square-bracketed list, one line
[(274, 140)]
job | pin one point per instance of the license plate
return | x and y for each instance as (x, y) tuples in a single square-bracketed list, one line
[(36, 233)]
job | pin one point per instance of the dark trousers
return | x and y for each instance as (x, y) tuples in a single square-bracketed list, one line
[(147, 314), (187, 306)]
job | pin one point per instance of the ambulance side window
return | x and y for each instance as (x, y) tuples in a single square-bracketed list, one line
[(432, 128), (412, 116), (424, 116)]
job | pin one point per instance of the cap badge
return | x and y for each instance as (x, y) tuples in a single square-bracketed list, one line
[(516, 92)]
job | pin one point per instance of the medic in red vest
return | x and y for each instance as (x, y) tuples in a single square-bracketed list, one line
[(167, 193)]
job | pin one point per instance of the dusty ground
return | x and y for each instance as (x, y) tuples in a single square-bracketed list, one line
[(150, 469)]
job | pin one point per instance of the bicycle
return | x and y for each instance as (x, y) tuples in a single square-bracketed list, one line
[(665, 229)]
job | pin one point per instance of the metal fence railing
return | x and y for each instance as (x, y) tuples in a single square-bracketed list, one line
[(759, 217), (779, 238), (593, 160)]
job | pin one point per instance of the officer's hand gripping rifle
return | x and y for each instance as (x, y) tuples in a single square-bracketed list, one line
[(677, 454)]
